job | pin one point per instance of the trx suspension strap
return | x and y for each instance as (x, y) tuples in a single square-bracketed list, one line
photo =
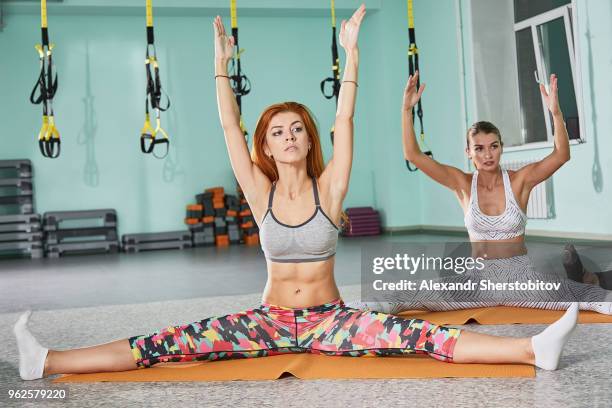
[(413, 65), (334, 80), (241, 85), (44, 91), (149, 136)]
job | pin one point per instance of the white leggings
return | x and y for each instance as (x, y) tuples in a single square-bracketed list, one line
[(590, 297)]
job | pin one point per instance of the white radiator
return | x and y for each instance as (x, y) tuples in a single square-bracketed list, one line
[(541, 203)]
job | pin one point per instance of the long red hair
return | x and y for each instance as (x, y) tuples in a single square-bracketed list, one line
[(314, 159)]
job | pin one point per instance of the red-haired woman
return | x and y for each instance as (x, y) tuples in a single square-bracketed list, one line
[(297, 202)]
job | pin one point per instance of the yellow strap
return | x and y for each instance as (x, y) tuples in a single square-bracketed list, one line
[(147, 129), (43, 128), (159, 129), (52, 131), (233, 13), (39, 48), (152, 60), (43, 13), (242, 127), (149, 13), (410, 15), (333, 13)]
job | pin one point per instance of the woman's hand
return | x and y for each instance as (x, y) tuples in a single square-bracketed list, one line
[(224, 45), (349, 30), (411, 95), (551, 98)]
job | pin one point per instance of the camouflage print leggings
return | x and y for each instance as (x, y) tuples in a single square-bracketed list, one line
[(332, 329)]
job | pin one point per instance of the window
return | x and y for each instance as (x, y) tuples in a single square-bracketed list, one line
[(545, 45), (524, 9), (515, 45)]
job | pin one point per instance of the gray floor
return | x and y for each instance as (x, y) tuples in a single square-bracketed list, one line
[(95, 280), (81, 301)]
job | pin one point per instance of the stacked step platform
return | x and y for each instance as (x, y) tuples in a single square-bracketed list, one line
[(80, 232), (20, 231), (232, 207), (221, 219), (155, 241), (16, 195), (363, 221), (220, 223), (202, 222), (250, 231)]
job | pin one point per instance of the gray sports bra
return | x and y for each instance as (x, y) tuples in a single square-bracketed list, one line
[(313, 240)]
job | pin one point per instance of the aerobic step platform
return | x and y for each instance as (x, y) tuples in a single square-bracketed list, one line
[(32, 250), (15, 168), (156, 241), (21, 185), (82, 234), (81, 248), (20, 223), (55, 220), (20, 236)]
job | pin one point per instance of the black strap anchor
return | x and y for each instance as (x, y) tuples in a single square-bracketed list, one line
[(44, 91), (333, 83), (413, 65), (148, 135), (239, 82)]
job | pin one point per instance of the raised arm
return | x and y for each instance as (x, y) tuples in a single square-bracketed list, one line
[(336, 175), (249, 176), (448, 176), (535, 173)]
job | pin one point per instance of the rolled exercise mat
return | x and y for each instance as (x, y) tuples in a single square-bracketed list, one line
[(308, 366), (363, 221)]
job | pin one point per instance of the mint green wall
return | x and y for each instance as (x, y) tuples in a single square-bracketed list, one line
[(286, 57), (287, 54), (412, 199)]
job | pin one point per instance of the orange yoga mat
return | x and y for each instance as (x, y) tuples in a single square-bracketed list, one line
[(502, 315), (308, 366)]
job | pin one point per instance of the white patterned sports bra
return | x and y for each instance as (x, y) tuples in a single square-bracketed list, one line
[(509, 224)]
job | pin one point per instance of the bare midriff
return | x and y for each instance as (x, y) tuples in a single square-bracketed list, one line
[(502, 248), (300, 285)]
